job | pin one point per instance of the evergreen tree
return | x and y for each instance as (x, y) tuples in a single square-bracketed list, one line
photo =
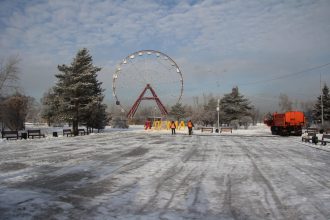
[(98, 118), (317, 112), (234, 106), (178, 111), (50, 107), (78, 90)]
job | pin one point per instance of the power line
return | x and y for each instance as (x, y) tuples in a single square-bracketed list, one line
[(286, 75)]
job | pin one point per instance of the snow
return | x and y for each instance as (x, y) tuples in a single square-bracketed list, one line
[(138, 174)]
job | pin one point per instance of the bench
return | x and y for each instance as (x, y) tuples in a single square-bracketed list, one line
[(312, 130), (67, 132), (207, 129), (310, 137), (327, 131), (10, 135), (35, 133), (81, 131), (325, 139), (226, 129)]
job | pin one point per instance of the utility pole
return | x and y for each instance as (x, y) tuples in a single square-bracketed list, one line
[(321, 101)]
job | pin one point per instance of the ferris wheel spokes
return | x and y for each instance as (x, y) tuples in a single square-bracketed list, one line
[(147, 70)]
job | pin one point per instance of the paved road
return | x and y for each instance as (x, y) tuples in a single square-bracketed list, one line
[(156, 176)]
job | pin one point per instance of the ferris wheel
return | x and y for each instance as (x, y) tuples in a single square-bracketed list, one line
[(146, 75)]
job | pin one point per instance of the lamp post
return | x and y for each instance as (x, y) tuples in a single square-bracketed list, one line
[(218, 110), (321, 101), (155, 109)]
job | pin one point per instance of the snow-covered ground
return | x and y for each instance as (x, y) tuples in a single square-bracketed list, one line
[(138, 174)]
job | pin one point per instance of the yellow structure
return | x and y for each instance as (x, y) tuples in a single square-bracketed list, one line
[(160, 125), (168, 125), (157, 125), (181, 126)]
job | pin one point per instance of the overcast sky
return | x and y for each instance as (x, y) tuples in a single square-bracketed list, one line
[(259, 46)]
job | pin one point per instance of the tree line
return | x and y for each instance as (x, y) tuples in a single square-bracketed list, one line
[(77, 99), (233, 109)]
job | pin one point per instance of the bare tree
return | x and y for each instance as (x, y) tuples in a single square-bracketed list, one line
[(196, 101), (307, 106), (255, 115), (33, 110), (9, 74), (15, 111), (285, 103)]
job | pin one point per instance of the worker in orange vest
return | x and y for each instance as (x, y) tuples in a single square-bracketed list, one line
[(190, 125), (173, 127)]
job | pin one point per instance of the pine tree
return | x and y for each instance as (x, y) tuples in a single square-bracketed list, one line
[(317, 112), (78, 90), (234, 106), (49, 107), (98, 117)]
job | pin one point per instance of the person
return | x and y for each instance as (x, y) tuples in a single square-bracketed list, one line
[(190, 126), (147, 125), (173, 127)]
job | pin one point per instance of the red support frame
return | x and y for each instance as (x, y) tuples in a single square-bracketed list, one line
[(160, 105)]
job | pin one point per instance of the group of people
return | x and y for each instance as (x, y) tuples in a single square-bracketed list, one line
[(190, 125)]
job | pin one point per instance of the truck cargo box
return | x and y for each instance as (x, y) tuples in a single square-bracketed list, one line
[(291, 118), (286, 123)]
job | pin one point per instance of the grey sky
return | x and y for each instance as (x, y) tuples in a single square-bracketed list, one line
[(217, 44)]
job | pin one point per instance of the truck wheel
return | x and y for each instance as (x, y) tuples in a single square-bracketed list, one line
[(274, 130)]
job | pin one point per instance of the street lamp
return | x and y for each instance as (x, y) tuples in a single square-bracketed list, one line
[(218, 110), (155, 109), (321, 101)]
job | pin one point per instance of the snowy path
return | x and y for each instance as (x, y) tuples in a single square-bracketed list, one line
[(133, 175)]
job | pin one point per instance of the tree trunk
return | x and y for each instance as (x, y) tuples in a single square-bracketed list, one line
[(76, 120), (75, 127)]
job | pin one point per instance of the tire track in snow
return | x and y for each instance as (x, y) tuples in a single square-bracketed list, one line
[(193, 176), (261, 152), (315, 177), (179, 185), (228, 149), (197, 191), (210, 157), (228, 199), (174, 178), (192, 151), (55, 155), (300, 180), (267, 185), (169, 174)]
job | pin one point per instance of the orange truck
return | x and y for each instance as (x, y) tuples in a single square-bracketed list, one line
[(288, 123)]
